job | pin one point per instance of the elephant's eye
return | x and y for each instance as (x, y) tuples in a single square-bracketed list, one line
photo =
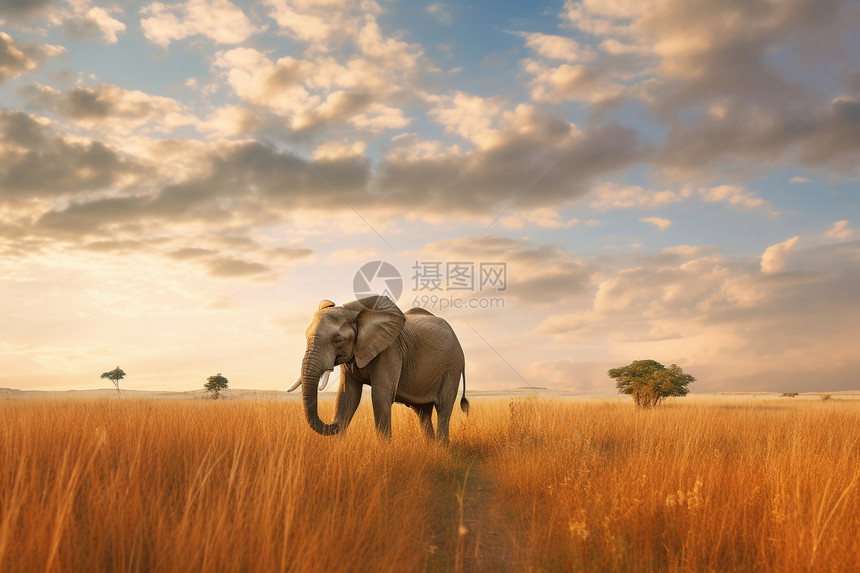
[(337, 339)]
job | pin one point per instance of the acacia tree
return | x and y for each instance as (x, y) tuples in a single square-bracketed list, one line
[(114, 376), (215, 384), (649, 382)]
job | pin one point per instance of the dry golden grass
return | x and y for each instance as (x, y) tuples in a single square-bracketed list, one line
[(697, 484)]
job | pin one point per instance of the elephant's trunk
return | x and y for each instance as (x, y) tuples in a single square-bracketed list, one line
[(313, 366)]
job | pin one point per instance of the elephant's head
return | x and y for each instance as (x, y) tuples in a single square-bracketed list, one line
[(357, 331)]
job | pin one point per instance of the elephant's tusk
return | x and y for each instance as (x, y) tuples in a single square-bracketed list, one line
[(324, 380), (296, 385)]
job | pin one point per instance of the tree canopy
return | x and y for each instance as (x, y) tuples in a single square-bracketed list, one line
[(114, 376), (649, 382), (215, 384)]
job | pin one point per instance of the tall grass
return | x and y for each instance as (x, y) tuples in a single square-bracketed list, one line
[(244, 485), (181, 486), (695, 485)]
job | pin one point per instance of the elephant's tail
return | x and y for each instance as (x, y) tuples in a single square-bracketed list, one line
[(464, 404)]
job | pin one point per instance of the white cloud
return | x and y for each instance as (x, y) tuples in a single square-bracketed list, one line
[(606, 196), (798, 179), (472, 117), (658, 222), (840, 231), (774, 258), (259, 81), (363, 86), (736, 196), (230, 120), (558, 47), (339, 149), (219, 20)]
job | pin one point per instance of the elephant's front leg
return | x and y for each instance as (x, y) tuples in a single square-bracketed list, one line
[(382, 398), (383, 385), (348, 397)]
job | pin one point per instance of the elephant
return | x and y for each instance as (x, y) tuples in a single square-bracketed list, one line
[(413, 358)]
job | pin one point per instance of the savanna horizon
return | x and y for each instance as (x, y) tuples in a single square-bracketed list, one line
[(726, 483)]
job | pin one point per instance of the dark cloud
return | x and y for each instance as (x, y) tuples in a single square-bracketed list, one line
[(23, 7), (733, 84), (546, 165), (744, 139), (232, 268), (246, 183), (17, 58), (40, 164), (106, 106)]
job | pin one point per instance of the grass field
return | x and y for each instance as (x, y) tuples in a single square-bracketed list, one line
[(699, 484)]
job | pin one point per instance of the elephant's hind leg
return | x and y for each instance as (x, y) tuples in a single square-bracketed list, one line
[(445, 402), (425, 418)]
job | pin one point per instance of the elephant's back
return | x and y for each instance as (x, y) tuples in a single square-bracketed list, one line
[(433, 336)]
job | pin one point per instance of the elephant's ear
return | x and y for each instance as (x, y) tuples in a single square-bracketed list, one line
[(379, 321)]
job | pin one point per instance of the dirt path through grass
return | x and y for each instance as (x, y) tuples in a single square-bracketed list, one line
[(472, 532)]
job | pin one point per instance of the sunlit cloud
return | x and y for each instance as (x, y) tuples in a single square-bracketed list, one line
[(17, 58), (774, 258), (218, 20)]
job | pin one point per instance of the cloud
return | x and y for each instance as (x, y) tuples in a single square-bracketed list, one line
[(798, 179), (312, 94), (17, 58), (606, 196), (326, 26), (774, 258), (355, 255), (659, 222), (840, 231), (543, 217), (472, 117), (35, 163), (89, 23), (736, 196), (558, 47), (230, 120), (107, 107), (441, 13), (709, 80), (218, 20), (535, 159), (23, 7), (537, 275), (697, 307)]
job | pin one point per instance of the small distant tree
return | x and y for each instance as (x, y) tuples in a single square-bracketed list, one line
[(215, 384), (649, 382), (114, 376)]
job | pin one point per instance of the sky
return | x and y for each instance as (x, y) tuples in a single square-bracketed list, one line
[(573, 185)]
